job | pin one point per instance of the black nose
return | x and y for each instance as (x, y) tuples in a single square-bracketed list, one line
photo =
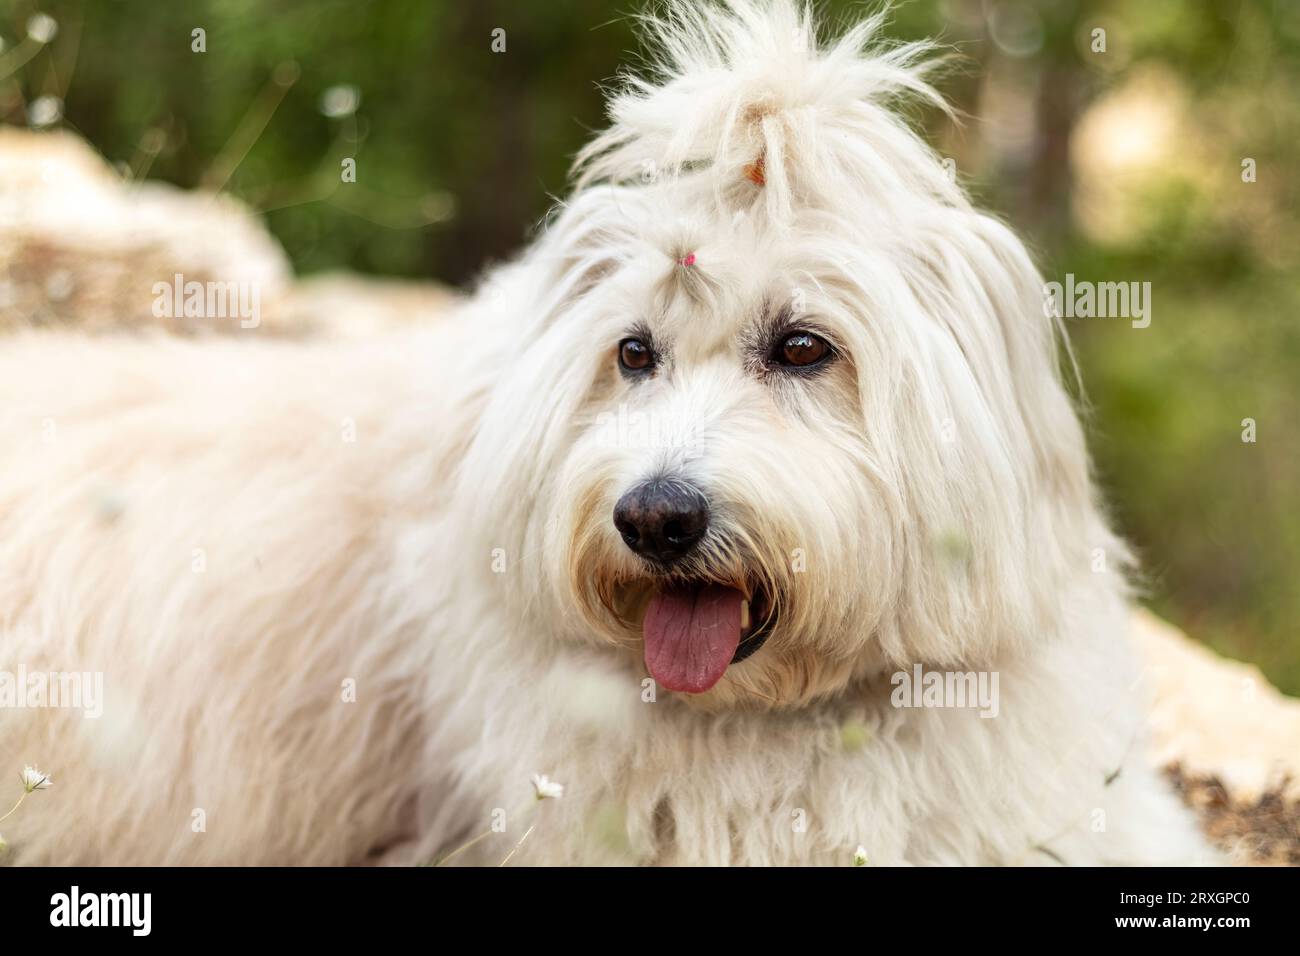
[(662, 519)]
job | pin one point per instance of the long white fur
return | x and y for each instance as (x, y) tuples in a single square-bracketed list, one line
[(927, 500)]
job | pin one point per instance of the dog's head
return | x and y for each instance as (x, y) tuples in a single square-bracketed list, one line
[(778, 408)]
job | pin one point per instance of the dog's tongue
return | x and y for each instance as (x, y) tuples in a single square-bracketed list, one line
[(691, 635)]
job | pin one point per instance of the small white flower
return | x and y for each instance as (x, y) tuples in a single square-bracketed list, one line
[(547, 788), (42, 27), (860, 856), (45, 111), (33, 779)]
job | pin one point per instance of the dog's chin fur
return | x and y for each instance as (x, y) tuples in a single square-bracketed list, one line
[(922, 498)]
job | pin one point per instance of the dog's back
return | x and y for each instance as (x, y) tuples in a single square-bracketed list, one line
[(205, 524)]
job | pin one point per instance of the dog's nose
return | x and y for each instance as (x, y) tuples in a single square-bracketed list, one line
[(662, 519)]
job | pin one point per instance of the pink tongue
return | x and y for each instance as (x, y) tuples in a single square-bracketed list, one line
[(691, 635)]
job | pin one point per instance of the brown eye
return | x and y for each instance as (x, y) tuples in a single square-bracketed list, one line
[(802, 349), (634, 355)]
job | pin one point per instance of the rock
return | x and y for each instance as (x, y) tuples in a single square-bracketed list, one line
[(1229, 741), (81, 246), (1219, 716)]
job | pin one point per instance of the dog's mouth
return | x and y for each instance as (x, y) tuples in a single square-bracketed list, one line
[(694, 630)]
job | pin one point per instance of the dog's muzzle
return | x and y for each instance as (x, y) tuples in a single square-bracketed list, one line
[(693, 628)]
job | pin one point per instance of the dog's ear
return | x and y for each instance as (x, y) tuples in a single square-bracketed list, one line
[(544, 320), (1012, 528)]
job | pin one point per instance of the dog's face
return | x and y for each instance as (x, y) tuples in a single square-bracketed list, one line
[(718, 484), (767, 435)]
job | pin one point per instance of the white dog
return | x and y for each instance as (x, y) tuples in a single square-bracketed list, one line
[(767, 426)]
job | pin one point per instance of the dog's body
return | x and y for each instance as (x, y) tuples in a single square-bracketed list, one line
[(346, 601)]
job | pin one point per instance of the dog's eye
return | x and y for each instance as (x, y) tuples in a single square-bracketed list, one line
[(801, 350), (634, 355)]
